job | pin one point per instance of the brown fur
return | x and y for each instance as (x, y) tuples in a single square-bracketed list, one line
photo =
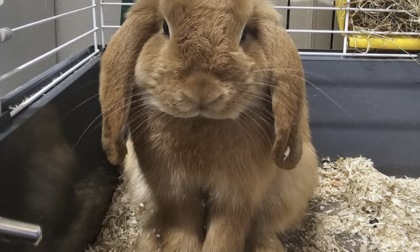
[(210, 117)]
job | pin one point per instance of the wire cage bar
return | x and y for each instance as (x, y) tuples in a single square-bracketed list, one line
[(336, 44)]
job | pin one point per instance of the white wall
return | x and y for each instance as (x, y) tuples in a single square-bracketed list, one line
[(25, 44)]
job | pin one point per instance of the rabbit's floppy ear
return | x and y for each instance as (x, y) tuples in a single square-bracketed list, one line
[(117, 75), (287, 87)]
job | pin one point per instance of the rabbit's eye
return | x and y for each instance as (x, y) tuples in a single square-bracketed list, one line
[(244, 33), (165, 28)]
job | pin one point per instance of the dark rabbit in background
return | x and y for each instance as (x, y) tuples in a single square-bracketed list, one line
[(212, 95)]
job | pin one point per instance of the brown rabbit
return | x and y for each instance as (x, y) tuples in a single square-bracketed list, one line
[(212, 93)]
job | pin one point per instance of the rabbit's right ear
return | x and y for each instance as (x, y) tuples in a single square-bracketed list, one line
[(287, 86), (116, 78)]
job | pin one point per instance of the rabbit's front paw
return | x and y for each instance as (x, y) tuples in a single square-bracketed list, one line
[(174, 240), (177, 240), (278, 247), (147, 241), (268, 244)]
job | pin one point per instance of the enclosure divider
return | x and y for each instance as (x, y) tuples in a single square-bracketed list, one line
[(51, 18), (332, 28), (38, 94), (349, 32), (346, 28), (95, 35), (45, 55), (355, 54), (118, 4), (288, 15), (112, 26), (102, 23), (335, 8)]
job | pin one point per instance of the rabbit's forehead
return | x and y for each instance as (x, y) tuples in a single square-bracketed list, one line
[(240, 9), (209, 3)]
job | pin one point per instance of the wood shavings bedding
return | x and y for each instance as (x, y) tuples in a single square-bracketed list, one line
[(121, 225), (355, 208)]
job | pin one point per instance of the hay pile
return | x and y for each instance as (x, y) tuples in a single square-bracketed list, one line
[(355, 208), (403, 16)]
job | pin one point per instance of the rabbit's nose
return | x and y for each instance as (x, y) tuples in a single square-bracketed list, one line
[(214, 99), (203, 90), (203, 99)]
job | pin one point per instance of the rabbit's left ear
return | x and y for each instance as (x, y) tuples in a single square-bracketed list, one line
[(117, 76), (287, 84)]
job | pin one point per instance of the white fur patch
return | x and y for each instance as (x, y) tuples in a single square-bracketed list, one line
[(286, 153), (136, 184)]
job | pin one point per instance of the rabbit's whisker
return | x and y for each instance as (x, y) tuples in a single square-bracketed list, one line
[(240, 122), (99, 123), (310, 83), (88, 99), (255, 123), (263, 124), (265, 113), (256, 95)]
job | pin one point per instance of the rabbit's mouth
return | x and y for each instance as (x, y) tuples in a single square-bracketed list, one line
[(218, 109), (201, 95)]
